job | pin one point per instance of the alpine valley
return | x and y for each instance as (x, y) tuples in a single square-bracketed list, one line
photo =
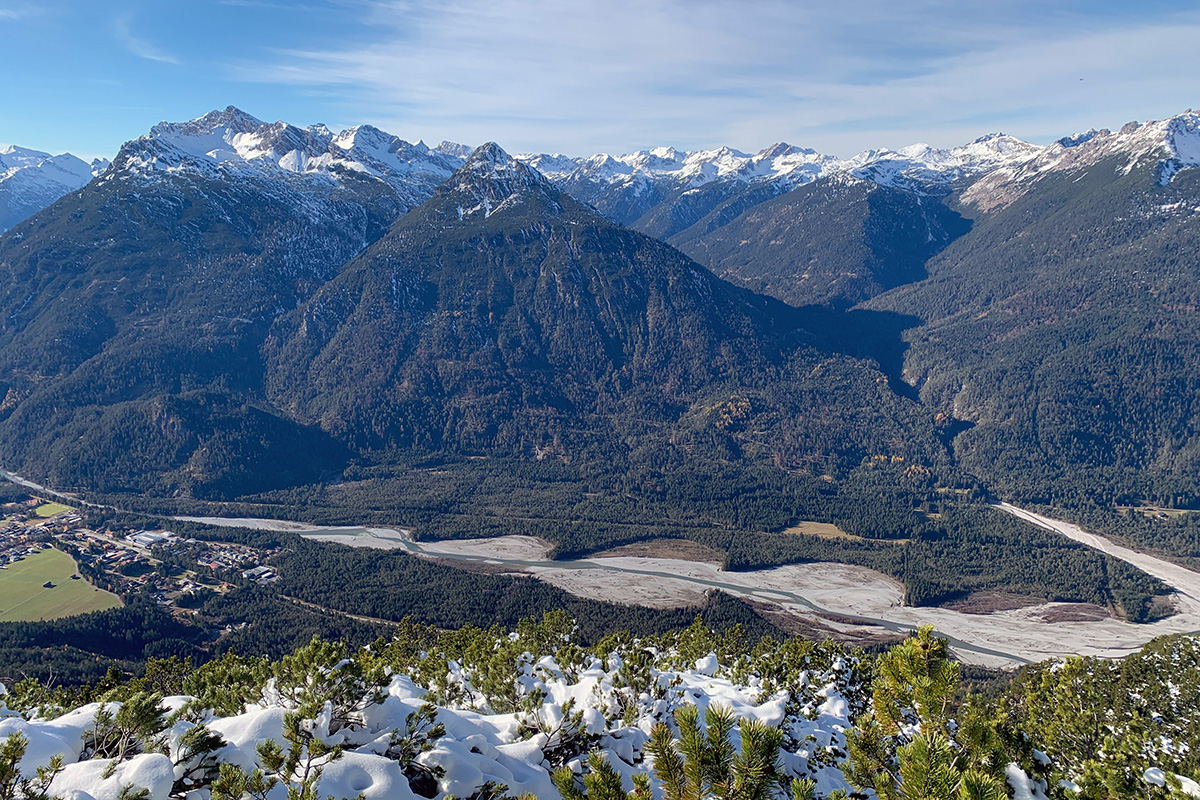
[(353, 466), (777, 358)]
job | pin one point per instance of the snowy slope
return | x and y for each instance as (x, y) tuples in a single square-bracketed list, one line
[(1167, 146), (519, 749), (231, 144), (30, 180)]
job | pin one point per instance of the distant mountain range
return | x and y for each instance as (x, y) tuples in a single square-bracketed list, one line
[(30, 180), (234, 305)]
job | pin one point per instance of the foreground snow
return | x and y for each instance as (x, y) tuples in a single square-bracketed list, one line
[(478, 747)]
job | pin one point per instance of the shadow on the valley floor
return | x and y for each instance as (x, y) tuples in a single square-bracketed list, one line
[(863, 333)]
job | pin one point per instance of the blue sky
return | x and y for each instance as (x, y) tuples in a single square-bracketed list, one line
[(599, 75)]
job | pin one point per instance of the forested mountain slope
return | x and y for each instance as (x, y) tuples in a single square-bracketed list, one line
[(241, 310), (839, 239), (503, 313), (133, 310), (1064, 326), (503, 317)]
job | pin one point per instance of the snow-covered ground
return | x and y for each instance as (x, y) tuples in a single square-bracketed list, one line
[(478, 746)]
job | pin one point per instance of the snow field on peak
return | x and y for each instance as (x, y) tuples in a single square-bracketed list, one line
[(64, 169), (1172, 144), (234, 142), (30, 180), (1175, 141)]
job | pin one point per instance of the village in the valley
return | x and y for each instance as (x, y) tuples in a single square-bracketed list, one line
[(174, 571)]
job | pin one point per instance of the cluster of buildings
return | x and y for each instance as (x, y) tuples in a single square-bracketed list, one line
[(148, 539), (222, 556), (16, 542), (167, 567)]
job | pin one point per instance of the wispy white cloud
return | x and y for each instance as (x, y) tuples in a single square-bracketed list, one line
[(580, 75), (138, 46), (19, 11)]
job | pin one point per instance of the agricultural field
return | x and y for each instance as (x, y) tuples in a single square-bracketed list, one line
[(46, 510), (24, 598)]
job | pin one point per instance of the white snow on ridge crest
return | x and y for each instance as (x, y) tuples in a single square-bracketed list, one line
[(234, 142), (30, 180), (491, 177), (1172, 144), (692, 169), (997, 158)]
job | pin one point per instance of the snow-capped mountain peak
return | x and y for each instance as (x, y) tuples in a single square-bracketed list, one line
[(453, 149), (490, 178), (30, 180), (231, 144), (1174, 140), (1167, 145), (921, 167), (552, 165), (232, 119), (65, 168), (684, 169)]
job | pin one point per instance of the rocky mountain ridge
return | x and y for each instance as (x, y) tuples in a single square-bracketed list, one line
[(30, 180)]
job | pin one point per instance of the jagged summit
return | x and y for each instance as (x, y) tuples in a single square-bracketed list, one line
[(683, 168), (31, 179), (454, 149), (489, 179), (231, 144), (648, 176), (231, 118)]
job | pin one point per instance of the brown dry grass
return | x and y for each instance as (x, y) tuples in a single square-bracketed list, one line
[(989, 602), (682, 549), (822, 530), (1076, 612)]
